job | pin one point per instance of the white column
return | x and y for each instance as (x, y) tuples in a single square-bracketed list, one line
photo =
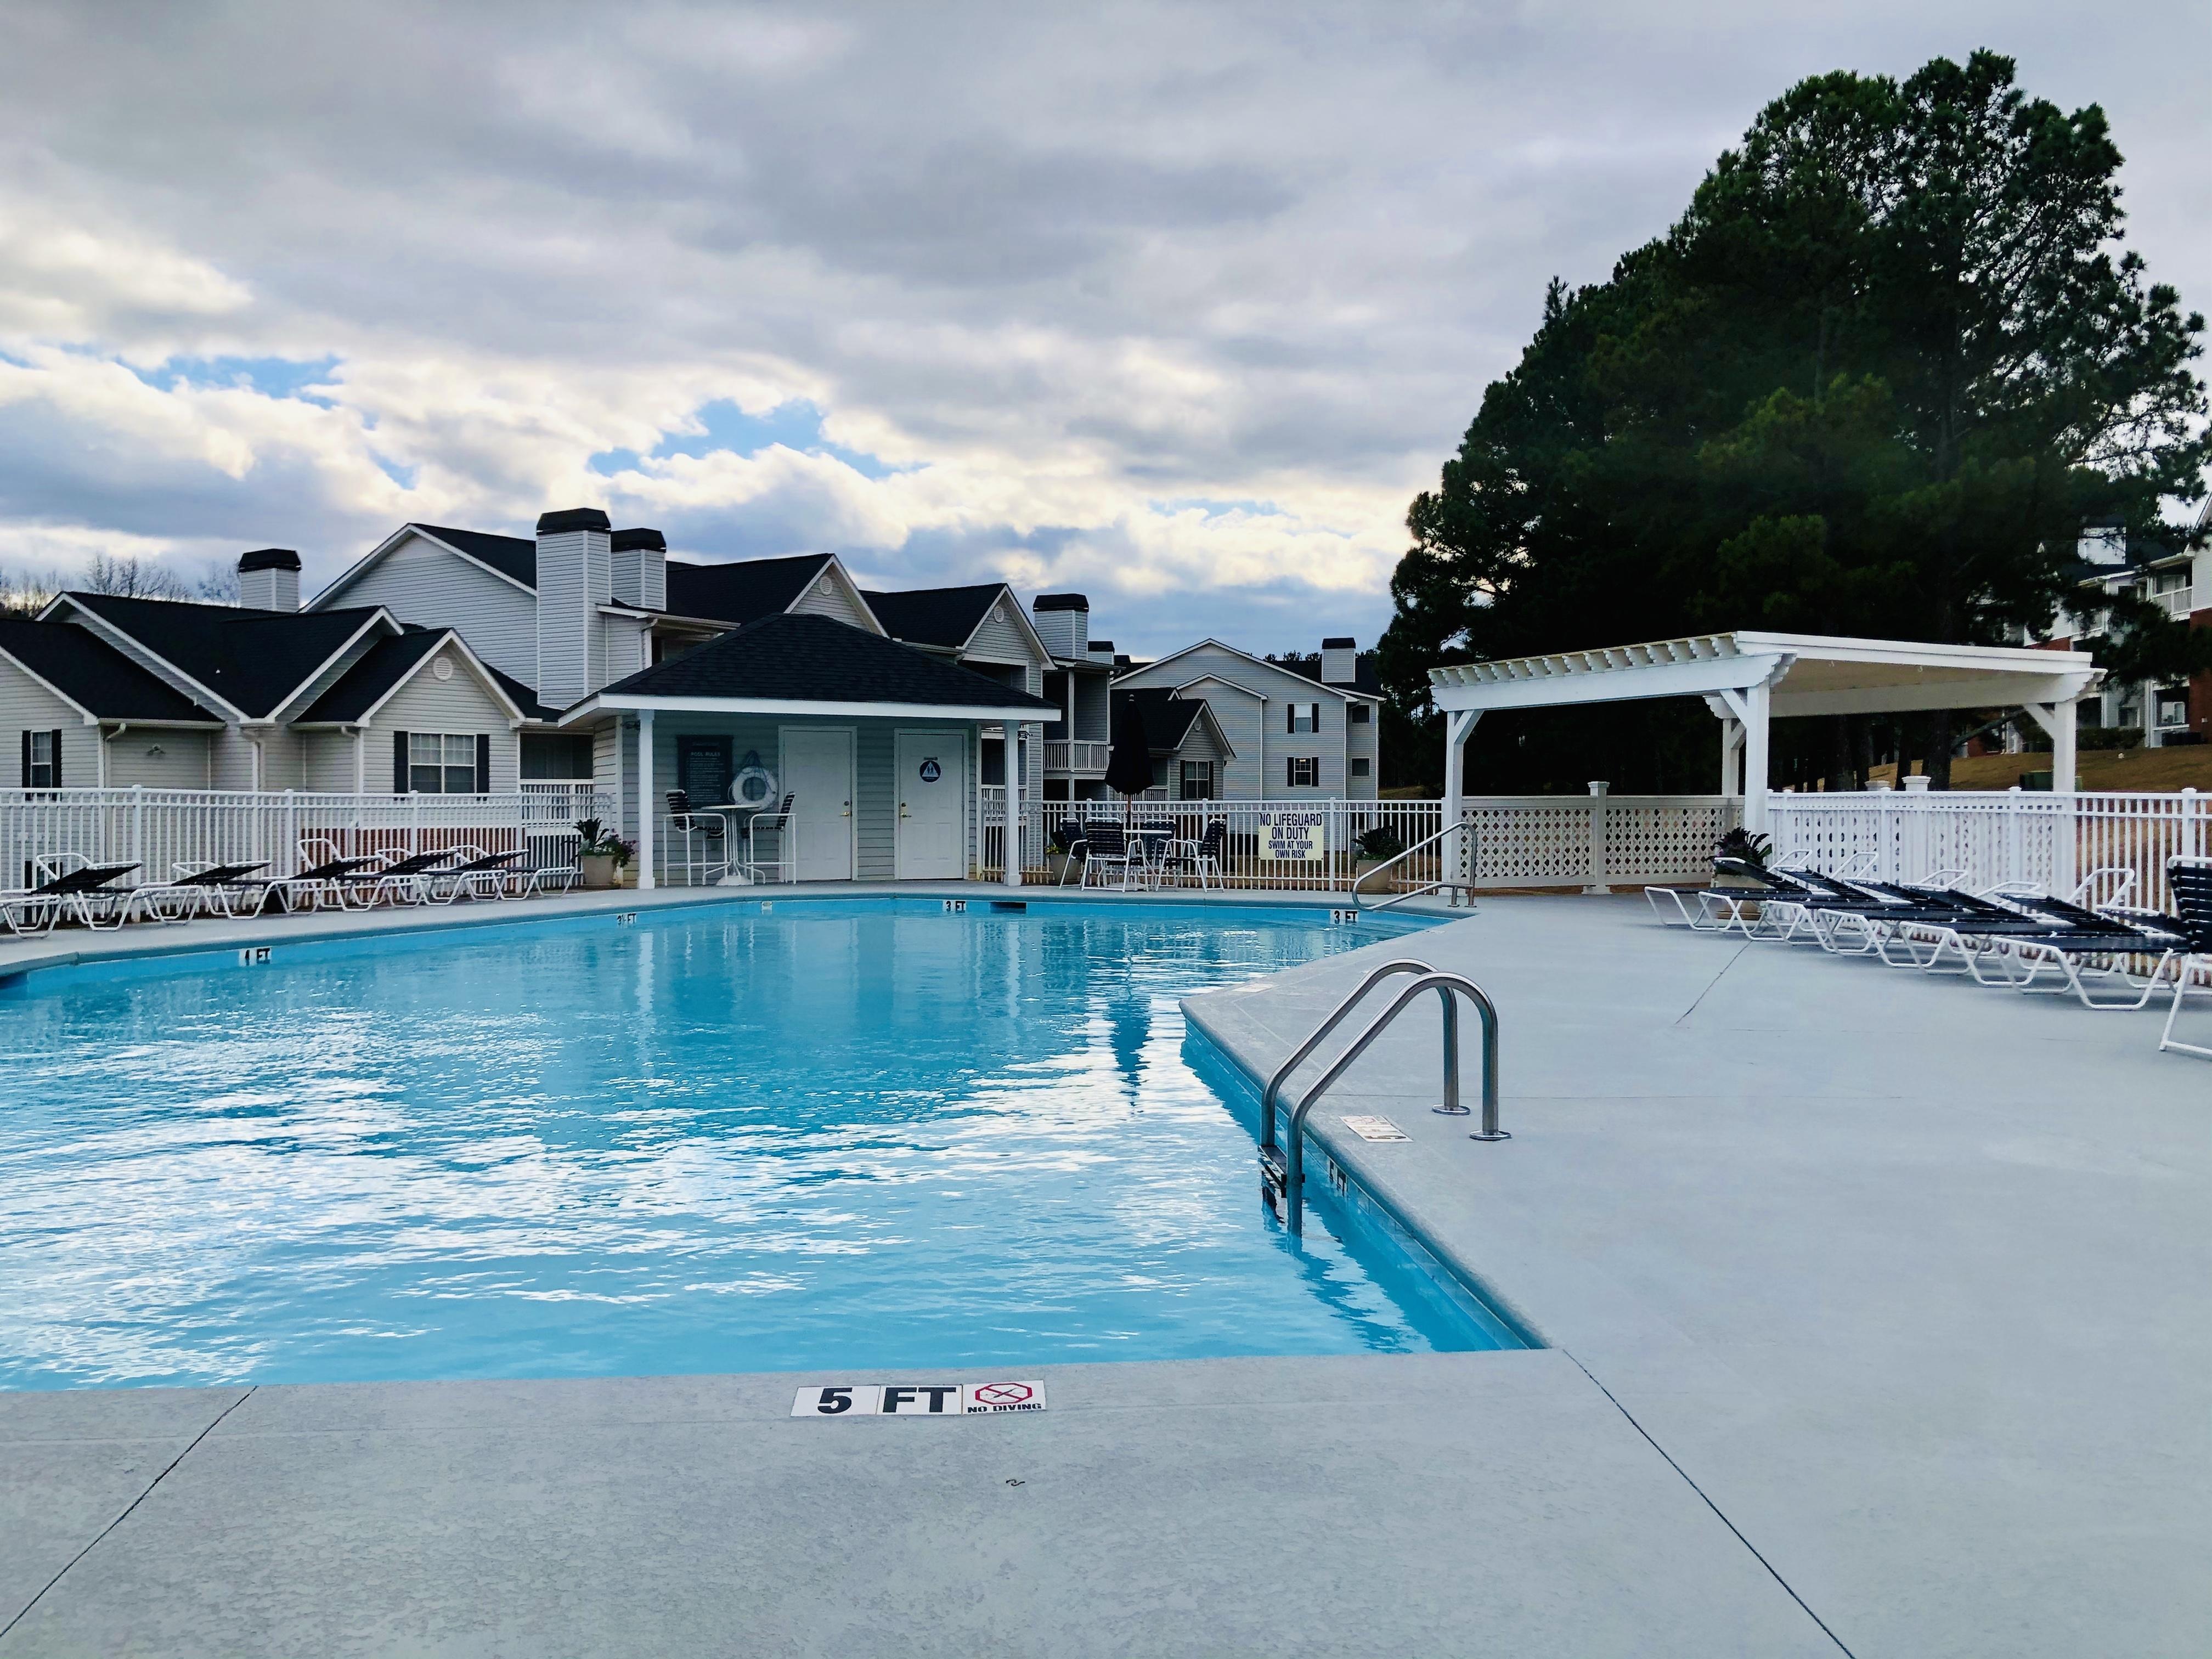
[(1459, 726), (645, 813), (2064, 729), (1731, 742), (1013, 839), (1756, 703)]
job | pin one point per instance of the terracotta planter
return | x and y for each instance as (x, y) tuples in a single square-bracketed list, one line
[(597, 869)]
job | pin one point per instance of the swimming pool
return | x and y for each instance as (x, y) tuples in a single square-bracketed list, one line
[(722, 1139)]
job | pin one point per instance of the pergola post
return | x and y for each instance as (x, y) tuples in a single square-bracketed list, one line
[(1731, 743), (1013, 874), (1459, 726), (1757, 702), (645, 800)]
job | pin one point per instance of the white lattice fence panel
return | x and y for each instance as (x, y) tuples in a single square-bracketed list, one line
[(1648, 840), (1530, 843)]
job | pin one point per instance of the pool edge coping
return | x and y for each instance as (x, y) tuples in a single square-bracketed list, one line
[(1356, 1173), (394, 923)]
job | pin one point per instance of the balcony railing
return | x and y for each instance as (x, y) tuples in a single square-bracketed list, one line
[(1076, 757), (2178, 601)]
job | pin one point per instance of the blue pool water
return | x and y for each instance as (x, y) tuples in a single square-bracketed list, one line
[(831, 1134)]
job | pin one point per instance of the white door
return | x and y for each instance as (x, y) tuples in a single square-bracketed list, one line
[(932, 786), (817, 771)]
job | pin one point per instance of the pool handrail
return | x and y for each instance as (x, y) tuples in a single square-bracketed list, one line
[(1273, 1092), (1452, 985), (1359, 899)]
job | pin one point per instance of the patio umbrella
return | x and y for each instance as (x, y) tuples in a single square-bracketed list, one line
[(1129, 762)]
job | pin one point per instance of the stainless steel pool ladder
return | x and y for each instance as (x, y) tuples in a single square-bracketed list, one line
[(1283, 1167)]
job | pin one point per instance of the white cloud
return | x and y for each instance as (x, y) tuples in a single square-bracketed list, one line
[(1177, 304)]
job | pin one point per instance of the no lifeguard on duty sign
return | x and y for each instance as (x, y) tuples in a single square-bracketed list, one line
[(918, 1399)]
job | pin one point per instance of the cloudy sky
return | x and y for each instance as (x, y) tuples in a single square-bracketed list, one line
[(1175, 306)]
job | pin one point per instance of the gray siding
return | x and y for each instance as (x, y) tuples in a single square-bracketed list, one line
[(328, 759), (427, 704), (826, 596), (1242, 718), (419, 581), (875, 802), (574, 579), (182, 764), (626, 644), (28, 706), (1261, 766), (1000, 639)]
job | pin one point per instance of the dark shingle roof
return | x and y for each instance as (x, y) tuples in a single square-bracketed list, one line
[(934, 615), (806, 658), (742, 592), (93, 674), (511, 556), (1166, 718), (254, 658), (385, 664), (524, 697)]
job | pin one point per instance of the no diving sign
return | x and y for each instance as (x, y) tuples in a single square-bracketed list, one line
[(918, 1399)]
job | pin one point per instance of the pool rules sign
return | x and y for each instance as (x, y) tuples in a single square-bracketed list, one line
[(918, 1399)]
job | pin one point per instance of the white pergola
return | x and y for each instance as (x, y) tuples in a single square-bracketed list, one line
[(1750, 679)]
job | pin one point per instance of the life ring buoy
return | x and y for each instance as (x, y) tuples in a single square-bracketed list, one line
[(754, 786)]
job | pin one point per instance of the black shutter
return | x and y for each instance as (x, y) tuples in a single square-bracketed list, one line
[(399, 762), (27, 760), (483, 762), (58, 760)]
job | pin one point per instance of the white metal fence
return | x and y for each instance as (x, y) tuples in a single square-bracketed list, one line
[(2014, 834), (158, 828)]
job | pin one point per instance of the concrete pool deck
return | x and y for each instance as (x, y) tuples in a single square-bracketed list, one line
[(1876, 1313)]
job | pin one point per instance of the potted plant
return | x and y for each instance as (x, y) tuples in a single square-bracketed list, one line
[(1378, 846), (602, 855), (1061, 857)]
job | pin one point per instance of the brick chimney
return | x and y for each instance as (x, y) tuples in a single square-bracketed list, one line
[(268, 579), (1063, 623), (575, 578), (1340, 662), (639, 561)]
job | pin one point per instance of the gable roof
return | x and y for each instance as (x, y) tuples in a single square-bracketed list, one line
[(743, 590), (1166, 720), (83, 668), (389, 664), (251, 660), (942, 617), (790, 658), (514, 557), (1287, 671)]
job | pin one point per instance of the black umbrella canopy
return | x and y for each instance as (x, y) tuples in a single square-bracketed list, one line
[(1129, 765)]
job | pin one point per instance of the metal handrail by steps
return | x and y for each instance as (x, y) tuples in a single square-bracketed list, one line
[(1274, 1089), (1284, 1166), (1359, 900)]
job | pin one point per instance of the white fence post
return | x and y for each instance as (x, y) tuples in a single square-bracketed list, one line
[(1597, 815)]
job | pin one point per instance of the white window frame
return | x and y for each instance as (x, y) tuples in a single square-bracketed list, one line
[(1293, 764), (49, 741), (1200, 769), (443, 768)]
